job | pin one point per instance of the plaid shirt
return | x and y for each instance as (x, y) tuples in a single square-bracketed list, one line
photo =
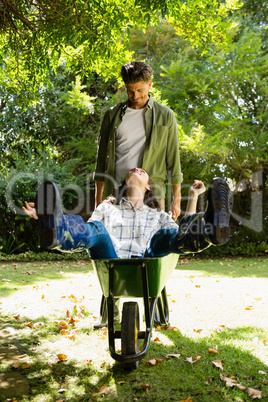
[(131, 230)]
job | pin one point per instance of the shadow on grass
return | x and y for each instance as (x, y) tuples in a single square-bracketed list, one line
[(172, 379), (234, 267)]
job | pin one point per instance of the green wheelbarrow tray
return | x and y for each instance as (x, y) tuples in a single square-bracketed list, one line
[(127, 281), (133, 278)]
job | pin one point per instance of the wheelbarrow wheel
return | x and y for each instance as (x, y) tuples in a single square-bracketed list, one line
[(130, 344)]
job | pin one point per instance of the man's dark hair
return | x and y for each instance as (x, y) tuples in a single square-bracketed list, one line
[(136, 71)]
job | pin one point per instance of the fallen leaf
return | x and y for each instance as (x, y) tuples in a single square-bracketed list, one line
[(212, 350), (187, 400), (249, 308), (173, 329), (28, 324), (62, 390), (37, 324), (72, 320), (17, 317), (218, 363), (240, 386), (121, 382), (103, 390), (254, 393), (70, 334), (174, 355), (25, 366), (146, 387), (153, 362), (190, 359), (198, 330), (62, 356), (62, 325), (22, 356), (157, 339)]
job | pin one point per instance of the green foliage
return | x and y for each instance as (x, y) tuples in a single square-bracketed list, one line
[(36, 35), (63, 113), (210, 19), (220, 101), (18, 233)]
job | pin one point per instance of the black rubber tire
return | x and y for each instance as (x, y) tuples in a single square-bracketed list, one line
[(130, 344)]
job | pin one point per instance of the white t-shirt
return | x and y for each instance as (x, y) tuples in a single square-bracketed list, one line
[(129, 142)]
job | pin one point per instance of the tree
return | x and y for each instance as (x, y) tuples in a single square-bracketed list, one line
[(36, 34), (221, 103)]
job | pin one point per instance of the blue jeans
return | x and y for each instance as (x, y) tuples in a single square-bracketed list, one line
[(101, 245), (93, 236), (76, 235)]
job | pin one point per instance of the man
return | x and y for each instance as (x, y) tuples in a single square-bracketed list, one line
[(139, 132)]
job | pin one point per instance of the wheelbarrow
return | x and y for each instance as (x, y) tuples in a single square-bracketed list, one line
[(134, 278)]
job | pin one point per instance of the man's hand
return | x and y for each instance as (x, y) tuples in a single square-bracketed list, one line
[(30, 210), (175, 210), (175, 207)]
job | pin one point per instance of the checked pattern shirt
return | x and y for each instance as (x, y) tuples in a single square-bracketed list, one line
[(131, 230)]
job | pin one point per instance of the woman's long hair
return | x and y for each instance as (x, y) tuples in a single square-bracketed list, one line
[(150, 199)]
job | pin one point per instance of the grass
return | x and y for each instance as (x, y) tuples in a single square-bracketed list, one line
[(231, 267), (57, 289), (16, 275)]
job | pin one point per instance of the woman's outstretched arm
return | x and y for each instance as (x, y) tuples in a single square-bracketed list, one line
[(195, 190)]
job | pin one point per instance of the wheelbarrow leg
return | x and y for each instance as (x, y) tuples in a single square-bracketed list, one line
[(103, 317), (162, 310)]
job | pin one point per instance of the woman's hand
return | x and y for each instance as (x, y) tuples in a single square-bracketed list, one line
[(110, 200), (30, 210), (197, 188)]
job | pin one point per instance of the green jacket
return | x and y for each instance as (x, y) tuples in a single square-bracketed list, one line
[(161, 154)]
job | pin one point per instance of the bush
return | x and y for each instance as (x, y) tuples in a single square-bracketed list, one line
[(19, 233)]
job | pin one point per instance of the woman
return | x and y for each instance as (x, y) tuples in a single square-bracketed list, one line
[(134, 226)]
